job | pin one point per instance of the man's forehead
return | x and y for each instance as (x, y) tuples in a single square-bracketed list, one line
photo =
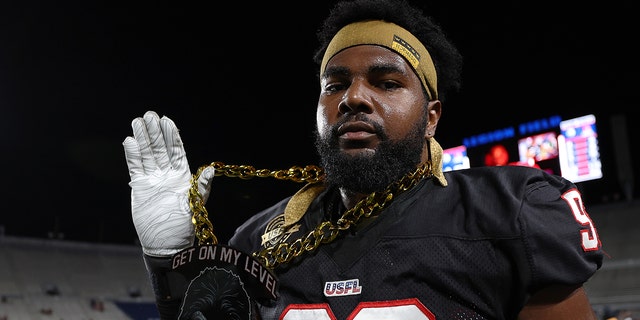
[(371, 58)]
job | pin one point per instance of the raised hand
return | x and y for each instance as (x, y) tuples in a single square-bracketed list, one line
[(160, 182)]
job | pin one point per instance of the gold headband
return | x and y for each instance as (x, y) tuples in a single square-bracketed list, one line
[(393, 37)]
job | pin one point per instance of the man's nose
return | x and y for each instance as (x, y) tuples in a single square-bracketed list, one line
[(357, 98)]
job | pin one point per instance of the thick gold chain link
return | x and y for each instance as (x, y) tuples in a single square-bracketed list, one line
[(328, 231), (200, 219), (325, 232)]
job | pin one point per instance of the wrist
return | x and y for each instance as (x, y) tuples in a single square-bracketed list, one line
[(167, 284)]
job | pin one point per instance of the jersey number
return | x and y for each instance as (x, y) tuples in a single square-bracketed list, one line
[(377, 310), (590, 240)]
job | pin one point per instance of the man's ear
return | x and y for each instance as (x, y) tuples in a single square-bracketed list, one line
[(434, 111)]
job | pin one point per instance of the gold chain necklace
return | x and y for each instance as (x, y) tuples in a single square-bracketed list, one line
[(325, 232)]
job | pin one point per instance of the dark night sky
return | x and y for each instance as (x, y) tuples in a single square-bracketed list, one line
[(241, 86)]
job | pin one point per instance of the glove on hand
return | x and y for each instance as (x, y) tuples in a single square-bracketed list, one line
[(160, 182)]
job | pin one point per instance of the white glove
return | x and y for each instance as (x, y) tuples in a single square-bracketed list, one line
[(160, 182)]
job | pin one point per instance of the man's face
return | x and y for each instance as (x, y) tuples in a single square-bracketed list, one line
[(371, 119)]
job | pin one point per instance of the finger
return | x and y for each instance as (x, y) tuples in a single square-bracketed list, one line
[(204, 182), (142, 138), (156, 140), (133, 157), (173, 144)]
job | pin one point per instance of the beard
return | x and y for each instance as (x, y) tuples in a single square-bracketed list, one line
[(369, 172)]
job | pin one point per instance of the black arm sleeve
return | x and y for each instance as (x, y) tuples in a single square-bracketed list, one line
[(168, 286)]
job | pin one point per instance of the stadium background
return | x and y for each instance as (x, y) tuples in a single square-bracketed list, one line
[(239, 82)]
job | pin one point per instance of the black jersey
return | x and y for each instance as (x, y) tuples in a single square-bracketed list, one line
[(476, 249)]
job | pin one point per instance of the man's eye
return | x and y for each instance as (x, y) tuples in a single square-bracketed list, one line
[(388, 85), (333, 87)]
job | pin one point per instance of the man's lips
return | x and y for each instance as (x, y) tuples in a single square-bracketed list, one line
[(356, 126), (356, 131), (357, 135)]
